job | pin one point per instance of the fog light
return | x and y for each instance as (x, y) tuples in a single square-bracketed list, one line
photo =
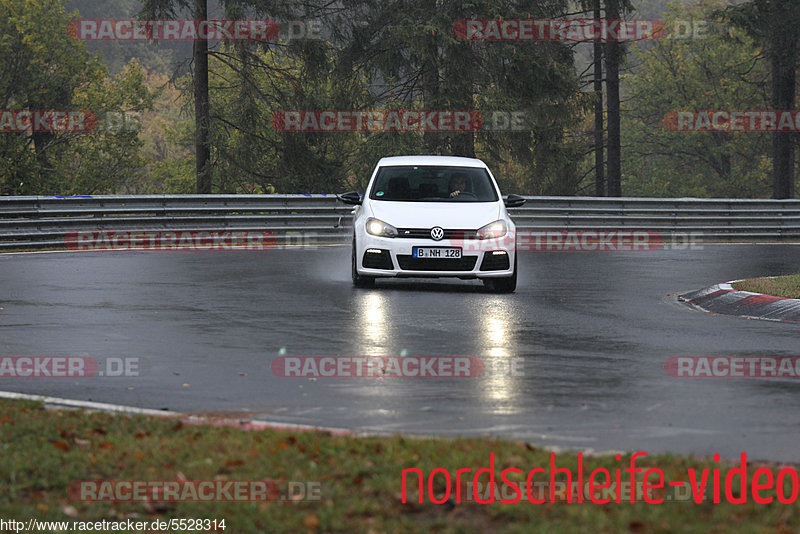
[(375, 258), (495, 260)]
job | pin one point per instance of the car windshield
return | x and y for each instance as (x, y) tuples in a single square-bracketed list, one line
[(427, 183)]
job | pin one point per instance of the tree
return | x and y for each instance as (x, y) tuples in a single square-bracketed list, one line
[(43, 68), (775, 24), (251, 154), (599, 138), (167, 132), (595, 8), (410, 51), (614, 51), (724, 71), (167, 8), (388, 55)]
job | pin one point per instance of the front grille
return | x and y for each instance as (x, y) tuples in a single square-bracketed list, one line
[(425, 233), (494, 262), (373, 260), (410, 263)]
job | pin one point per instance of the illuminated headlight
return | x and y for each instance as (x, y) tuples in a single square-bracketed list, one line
[(493, 230), (380, 228)]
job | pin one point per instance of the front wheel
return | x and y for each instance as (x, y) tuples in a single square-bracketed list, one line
[(358, 279), (503, 285)]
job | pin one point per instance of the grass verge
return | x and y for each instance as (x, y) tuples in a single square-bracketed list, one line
[(781, 286), (43, 451)]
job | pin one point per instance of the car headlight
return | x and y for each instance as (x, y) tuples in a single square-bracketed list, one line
[(379, 228), (493, 230)]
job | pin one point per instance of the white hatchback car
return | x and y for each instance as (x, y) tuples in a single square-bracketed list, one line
[(431, 217)]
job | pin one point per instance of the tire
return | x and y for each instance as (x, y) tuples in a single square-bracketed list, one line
[(359, 280), (503, 285)]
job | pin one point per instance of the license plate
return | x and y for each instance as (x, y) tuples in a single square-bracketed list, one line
[(436, 252)]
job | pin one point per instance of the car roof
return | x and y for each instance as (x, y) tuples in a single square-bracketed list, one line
[(447, 161)]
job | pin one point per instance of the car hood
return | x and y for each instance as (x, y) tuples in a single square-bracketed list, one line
[(462, 215)]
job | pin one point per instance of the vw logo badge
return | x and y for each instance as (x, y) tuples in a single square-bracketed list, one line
[(437, 233)]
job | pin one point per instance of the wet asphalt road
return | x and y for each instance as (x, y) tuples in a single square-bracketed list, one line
[(592, 331)]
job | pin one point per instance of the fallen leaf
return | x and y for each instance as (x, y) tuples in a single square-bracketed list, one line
[(312, 522), (60, 445)]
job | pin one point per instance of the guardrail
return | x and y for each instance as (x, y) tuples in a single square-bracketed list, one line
[(45, 221)]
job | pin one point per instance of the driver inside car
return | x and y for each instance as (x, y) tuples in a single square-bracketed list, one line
[(458, 183)]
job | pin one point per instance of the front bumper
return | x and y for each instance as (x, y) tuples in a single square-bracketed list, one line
[(393, 257)]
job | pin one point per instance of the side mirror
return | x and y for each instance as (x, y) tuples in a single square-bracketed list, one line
[(351, 197), (514, 201)]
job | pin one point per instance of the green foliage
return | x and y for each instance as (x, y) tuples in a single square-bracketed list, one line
[(358, 481), (375, 55), (159, 56), (42, 68), (410, 52), (724, 71), (248, 152), (167, 133), (782, 286)]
